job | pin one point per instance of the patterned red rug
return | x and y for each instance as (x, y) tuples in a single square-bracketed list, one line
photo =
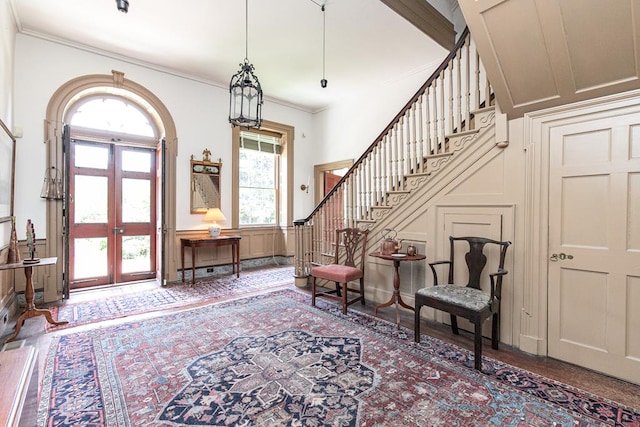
[(174, 295), (273, 360)]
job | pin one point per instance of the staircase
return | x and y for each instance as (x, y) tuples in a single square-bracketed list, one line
[(408, 160)]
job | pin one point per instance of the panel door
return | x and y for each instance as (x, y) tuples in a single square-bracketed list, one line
[(594, 245)]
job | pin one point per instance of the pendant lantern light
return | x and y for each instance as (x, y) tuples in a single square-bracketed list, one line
[(245, 92)]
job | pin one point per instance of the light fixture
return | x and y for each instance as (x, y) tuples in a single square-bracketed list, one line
[(52, 185), (123, 5), (323, 82), (214, 215), (245, 92), (305, 187)]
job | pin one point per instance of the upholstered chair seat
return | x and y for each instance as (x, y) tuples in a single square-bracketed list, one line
[(467, 300), (347, 266)]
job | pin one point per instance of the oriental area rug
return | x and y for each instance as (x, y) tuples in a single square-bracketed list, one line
[(271, 359), (174, 295)]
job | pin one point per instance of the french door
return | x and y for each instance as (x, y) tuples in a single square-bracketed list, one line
[(112, 214)]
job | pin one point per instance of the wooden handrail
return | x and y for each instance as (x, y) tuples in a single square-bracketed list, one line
[(444, 105)]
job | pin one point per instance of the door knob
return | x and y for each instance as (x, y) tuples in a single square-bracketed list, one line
[(561, 256)]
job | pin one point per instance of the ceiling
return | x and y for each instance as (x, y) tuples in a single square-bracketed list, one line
[(367, 43)]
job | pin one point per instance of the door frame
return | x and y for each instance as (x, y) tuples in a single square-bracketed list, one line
[(537, 131), (67, 94), (318, 176)]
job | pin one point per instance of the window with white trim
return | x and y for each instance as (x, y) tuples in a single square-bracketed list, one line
[(259, 171)]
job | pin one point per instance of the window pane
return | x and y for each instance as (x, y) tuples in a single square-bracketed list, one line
[(112, 114), (91, 156), (257, 169), (90, 199), (257, 206), (90, 257), (136, 200), (135, 253), (136, 161)]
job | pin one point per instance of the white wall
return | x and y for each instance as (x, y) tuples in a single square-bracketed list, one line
[(200, 112), (7, 39), (346, 130)]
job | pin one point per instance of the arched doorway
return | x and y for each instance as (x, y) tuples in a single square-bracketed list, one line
[(112, 186), (58, 114)]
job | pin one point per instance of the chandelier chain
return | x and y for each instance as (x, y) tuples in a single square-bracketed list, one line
[(324, 50)]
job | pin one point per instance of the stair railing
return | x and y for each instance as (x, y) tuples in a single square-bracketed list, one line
[(443, 106)]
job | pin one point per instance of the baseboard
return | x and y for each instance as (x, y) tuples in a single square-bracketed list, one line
[(533, 345), (222, 269)]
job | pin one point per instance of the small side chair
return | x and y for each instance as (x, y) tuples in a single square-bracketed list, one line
[(467, 300), (346, 267)]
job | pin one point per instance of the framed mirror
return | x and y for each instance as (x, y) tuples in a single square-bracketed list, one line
[(205, 183)]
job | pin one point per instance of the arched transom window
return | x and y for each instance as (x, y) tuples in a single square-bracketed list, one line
[(112, 114)]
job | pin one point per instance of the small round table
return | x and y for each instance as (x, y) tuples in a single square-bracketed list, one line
[(396, 298), (29, 294)]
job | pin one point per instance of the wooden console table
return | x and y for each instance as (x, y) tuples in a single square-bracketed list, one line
[(234, 241), (29, 294)]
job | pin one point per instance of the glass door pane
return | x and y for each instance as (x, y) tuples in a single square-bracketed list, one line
[(135, 254), (136, 200), (91, 199), (91, 257)]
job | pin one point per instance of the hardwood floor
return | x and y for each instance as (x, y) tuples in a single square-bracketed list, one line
[(613, 389)]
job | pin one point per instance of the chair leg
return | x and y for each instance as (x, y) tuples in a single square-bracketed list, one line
[(313, 291), (362, 290), (454, 325), (477, 350), (495, 330), (338, 293), (416, 324), (344, 298)]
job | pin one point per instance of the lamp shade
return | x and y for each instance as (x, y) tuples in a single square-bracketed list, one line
[(214, 215)]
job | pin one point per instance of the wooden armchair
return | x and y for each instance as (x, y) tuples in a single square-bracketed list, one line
[(352, 242), (467, 300)]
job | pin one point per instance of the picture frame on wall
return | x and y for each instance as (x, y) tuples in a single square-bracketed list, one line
[(7, 182)]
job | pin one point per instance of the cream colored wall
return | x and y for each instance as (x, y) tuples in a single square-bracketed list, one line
[(481, 193)]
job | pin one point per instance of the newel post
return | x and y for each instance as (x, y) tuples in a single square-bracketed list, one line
[(302, 260)]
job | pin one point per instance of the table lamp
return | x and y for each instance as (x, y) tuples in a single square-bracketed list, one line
[(214, 215)]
